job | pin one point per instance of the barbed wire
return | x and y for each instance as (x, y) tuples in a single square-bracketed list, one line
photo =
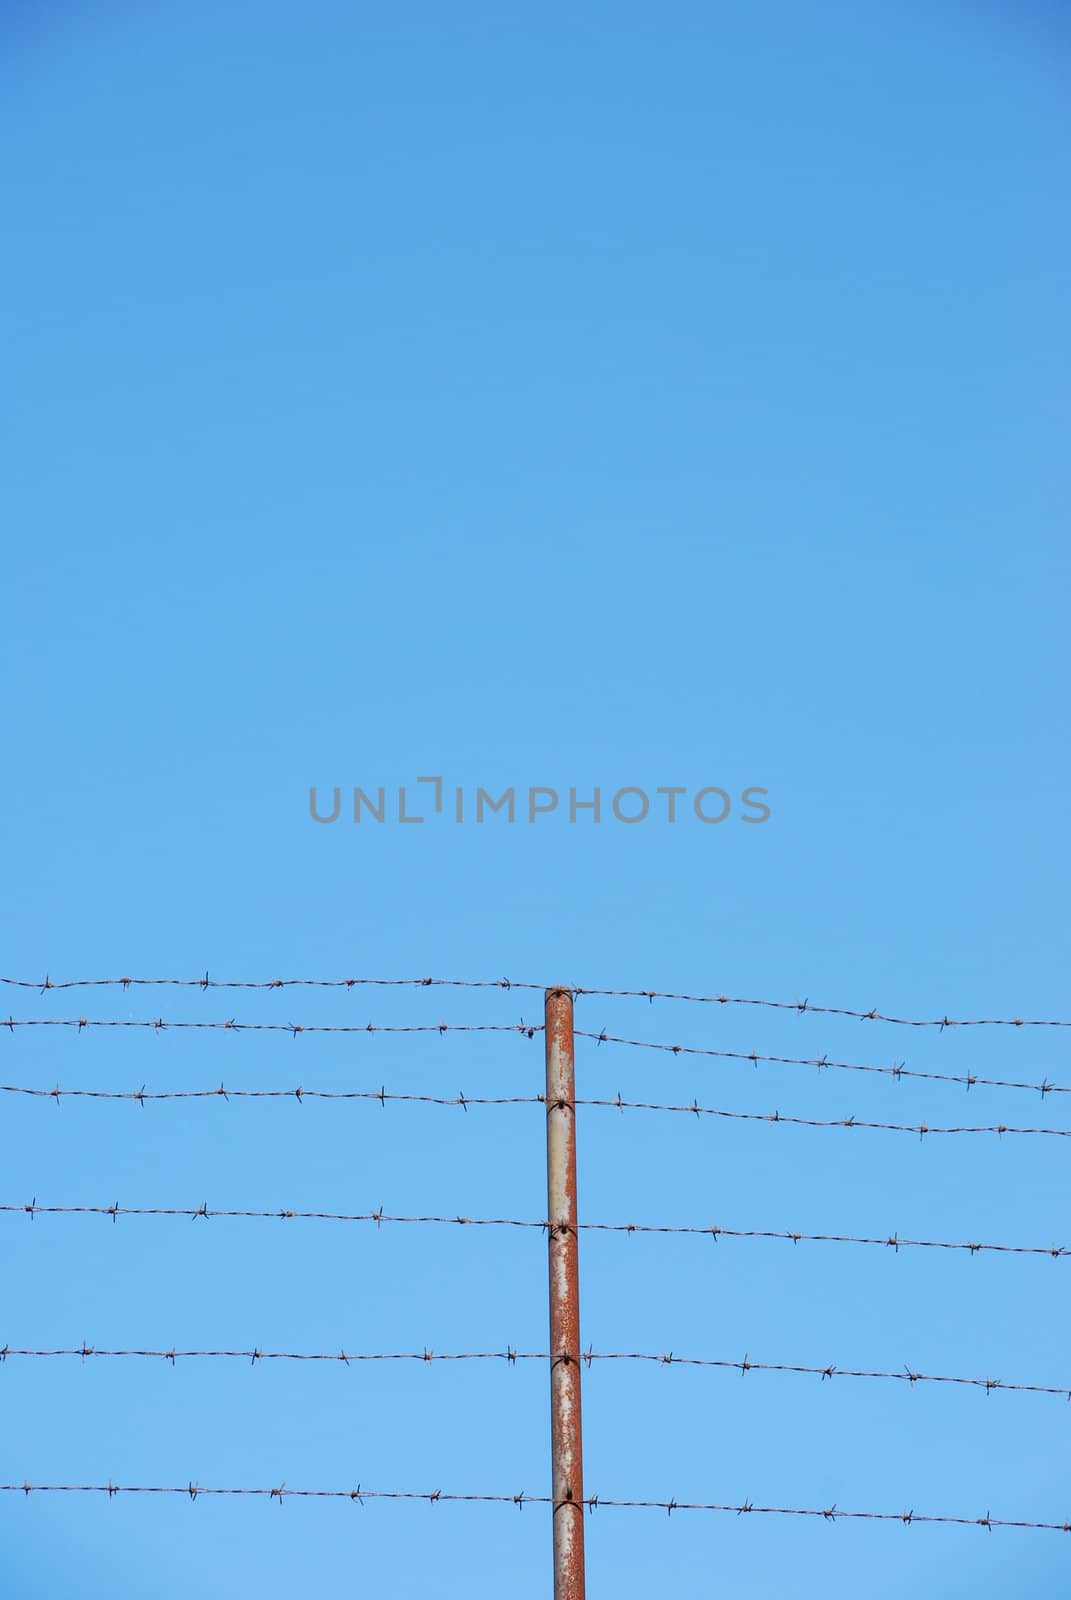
[(890, 1241), (510, 1357), (797, 1006), (206, 982), (590, 1503), (896, 1071), (232, 1025), (529, 1030), (383, 1096)]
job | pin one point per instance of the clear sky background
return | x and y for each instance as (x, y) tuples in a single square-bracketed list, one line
[(563, 395)]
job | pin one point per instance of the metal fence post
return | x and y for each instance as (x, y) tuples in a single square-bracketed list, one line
[(567, 1472)]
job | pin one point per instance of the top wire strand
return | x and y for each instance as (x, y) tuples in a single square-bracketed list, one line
[(871, 1014)]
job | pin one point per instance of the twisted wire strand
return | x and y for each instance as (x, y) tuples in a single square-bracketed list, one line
[(510, 1356), (896, 1071), (799, 1007), (591, 1503), (231, 1025), (383, 1096), (890, 1241), (529, 1030)]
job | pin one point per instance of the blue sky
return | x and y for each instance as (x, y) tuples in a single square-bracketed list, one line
[(583, 396)]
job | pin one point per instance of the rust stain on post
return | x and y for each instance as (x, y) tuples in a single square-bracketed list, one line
[(565, 1426)]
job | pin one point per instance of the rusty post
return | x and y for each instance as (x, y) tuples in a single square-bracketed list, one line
[(567, 1471)]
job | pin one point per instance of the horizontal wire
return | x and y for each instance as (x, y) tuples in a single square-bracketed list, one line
[(205, 982), (797, 1006), (746, 1365), (890, 1241), (463, 1101), (663, 1359), (529, 1030), (162, 1024), (897, 1070), (589, 1502)]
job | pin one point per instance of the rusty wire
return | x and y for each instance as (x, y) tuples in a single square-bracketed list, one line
[(528, 1030), (462, 1101), (359, 1495), (799, 1007), (665, 1358), (891, 1241), (896, 1071), (231, 1025)]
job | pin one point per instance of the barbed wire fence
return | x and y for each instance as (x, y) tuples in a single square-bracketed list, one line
[(565, 1356)]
